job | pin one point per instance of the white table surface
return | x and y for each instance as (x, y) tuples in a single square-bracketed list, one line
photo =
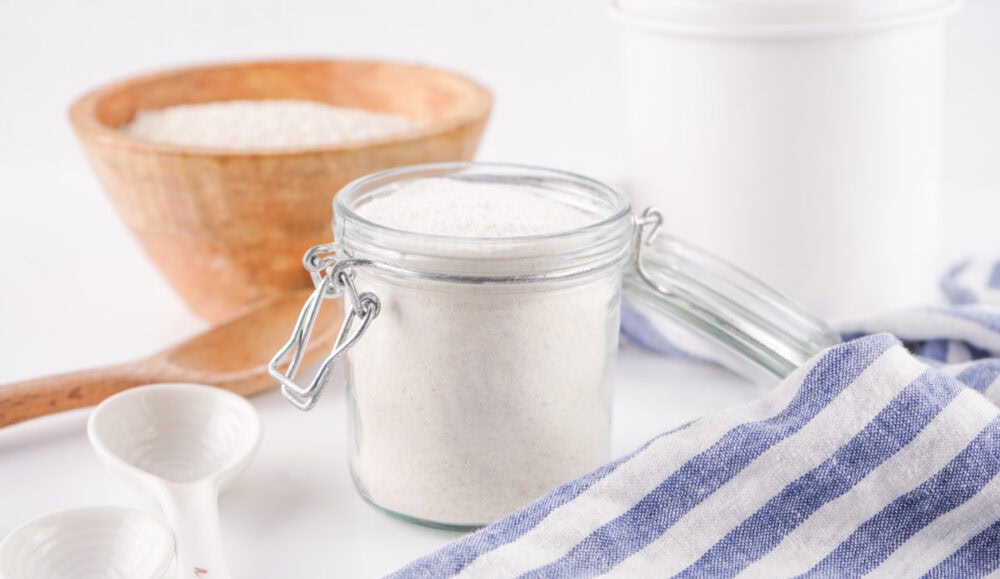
[(76, 291)]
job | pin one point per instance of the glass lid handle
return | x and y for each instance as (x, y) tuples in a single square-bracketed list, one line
[(677, 288)]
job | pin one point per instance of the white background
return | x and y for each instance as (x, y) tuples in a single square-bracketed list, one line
[(75, 291)]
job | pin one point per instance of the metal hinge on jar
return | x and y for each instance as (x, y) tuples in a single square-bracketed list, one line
[(333, 277)]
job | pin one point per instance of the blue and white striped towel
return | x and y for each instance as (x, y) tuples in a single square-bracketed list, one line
[(866, 460)]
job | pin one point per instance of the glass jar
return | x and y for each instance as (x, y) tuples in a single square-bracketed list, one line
[(486, 379)]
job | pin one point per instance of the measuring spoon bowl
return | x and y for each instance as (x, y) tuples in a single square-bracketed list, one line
[(88, 543)]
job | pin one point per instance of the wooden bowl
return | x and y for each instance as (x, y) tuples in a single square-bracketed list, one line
[(228, 228)]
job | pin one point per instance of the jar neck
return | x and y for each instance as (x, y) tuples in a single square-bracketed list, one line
[(602, 244)]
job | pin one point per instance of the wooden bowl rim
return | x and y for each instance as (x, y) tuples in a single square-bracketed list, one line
[(83, 113)]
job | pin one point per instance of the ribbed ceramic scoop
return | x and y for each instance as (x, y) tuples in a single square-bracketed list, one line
[(88, 543), (180, 444)]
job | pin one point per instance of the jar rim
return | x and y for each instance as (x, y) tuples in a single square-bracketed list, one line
[(749, 20), (599, 244), (342, 200)]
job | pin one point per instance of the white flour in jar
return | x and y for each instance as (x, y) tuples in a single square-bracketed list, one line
[(471, 400), (272, 124)]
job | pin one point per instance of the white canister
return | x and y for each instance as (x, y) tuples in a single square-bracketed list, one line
[(799, 140)]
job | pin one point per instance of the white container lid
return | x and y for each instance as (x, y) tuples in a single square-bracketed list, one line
[(778, 17)]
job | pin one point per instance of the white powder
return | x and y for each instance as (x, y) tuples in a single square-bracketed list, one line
[(471, 400), (264, 125), (468, 209)]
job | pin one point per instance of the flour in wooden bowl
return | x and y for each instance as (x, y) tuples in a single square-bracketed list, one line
[(264, 125)]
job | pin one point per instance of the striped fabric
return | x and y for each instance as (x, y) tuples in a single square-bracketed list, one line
[(867, 460)]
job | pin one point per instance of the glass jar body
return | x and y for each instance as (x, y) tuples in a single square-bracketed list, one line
[(468, 401)]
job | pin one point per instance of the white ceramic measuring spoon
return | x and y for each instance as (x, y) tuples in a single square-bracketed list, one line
[(181, 444), (88, 543)]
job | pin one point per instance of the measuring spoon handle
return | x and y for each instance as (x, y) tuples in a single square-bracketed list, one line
[(193, 512), (21, 401)]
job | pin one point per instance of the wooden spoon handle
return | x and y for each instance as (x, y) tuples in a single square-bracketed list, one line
[(21, 401)]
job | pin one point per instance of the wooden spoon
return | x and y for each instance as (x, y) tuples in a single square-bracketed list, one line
[(232, 355)]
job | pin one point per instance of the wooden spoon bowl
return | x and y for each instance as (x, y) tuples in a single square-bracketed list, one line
[(228, 228)]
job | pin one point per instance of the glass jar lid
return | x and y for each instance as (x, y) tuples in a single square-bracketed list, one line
[(680, 297)]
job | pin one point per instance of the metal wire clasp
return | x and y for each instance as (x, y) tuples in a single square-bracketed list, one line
[(364, 307), (647, 228)]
